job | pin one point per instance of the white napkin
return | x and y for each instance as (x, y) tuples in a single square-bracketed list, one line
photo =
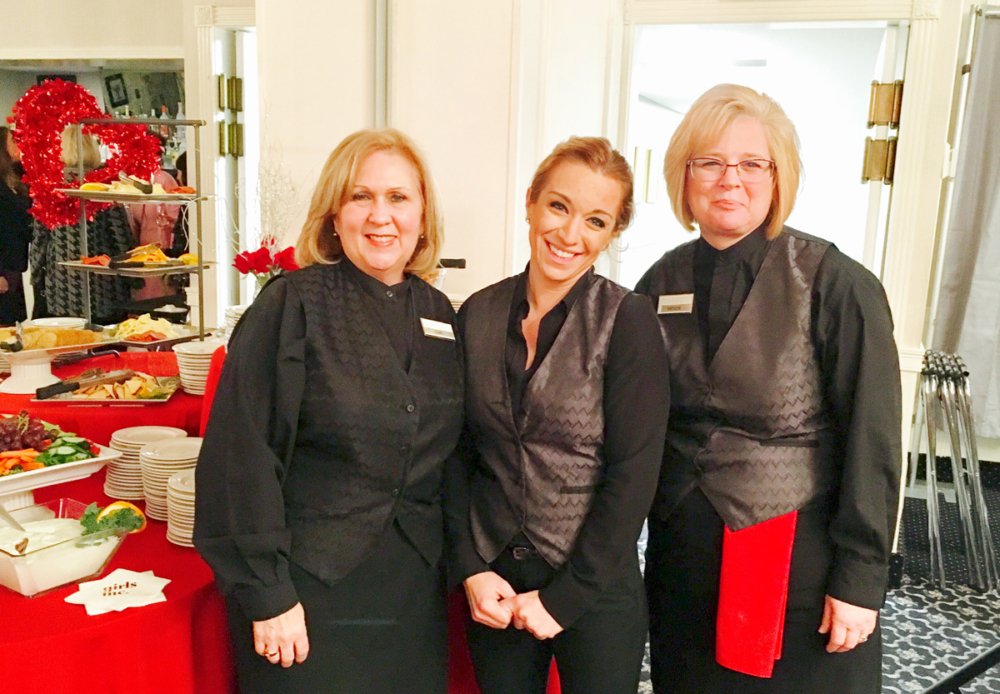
[(120, 590)]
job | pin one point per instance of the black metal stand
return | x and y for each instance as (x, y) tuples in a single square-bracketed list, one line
[(952, 683)]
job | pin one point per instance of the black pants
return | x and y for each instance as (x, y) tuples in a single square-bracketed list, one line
[(382, 629), (683, 565), (600, 653)]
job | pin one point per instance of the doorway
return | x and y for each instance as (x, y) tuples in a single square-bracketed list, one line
[(820, 73)]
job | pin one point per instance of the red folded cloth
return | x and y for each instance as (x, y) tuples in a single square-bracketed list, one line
[(214, 371), (753, 591)]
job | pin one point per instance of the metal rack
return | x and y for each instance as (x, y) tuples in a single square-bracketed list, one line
[(101, 196), (943, 396)]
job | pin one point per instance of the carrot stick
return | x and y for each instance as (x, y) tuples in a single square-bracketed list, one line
[(23, 453)]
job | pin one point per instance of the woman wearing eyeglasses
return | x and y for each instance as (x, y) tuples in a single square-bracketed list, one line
[(770, 534)]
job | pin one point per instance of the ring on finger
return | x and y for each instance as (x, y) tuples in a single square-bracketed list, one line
[(862, 639)]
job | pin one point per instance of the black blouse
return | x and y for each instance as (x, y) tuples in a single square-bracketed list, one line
[(636, 406), (852, 332)]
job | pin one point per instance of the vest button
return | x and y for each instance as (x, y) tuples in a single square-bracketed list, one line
[(410, 408), (395, 493), (389, 293), (404, 449)]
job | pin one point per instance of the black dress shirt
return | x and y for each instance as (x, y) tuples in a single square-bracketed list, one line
[(255, 418), (852, 333), (636, 407)]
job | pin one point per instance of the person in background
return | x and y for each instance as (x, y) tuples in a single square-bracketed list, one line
[(319, 479), (566, 408), (771, 531), (15, 231), (58, 291), (154, 224)]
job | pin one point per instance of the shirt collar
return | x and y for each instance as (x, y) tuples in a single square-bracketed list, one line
[(747, 247), (375, 288), (521, 290)]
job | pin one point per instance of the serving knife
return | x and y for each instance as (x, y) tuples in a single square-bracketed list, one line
[(46, 392)]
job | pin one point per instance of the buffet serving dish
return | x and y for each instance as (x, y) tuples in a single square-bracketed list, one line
[(61, 555)]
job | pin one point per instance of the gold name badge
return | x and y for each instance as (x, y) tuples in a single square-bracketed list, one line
[(675, 303), (435, 328)]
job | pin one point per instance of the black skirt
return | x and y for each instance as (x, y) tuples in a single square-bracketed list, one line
[(683, 563), (380, 629)]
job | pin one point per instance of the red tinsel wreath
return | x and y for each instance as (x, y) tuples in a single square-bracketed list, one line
[(40, 116)]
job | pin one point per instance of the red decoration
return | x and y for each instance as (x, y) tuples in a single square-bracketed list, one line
[(40, 116), (264, 262)]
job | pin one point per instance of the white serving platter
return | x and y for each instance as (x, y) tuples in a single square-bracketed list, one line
[(56, 474)]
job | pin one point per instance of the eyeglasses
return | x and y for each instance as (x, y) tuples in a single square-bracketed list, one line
[(749, 171)]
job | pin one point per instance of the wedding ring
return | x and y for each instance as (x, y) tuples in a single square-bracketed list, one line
[(268, 654), (862, 639)]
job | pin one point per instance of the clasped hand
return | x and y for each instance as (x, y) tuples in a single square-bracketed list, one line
[(494, 603)]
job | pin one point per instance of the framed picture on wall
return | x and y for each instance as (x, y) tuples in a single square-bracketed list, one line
[(117, 94)]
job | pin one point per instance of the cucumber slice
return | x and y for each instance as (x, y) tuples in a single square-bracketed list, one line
[(64, 450), (71, 439)]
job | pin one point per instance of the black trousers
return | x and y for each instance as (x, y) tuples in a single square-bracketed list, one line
[(600, 653), (683, 565), (382, 629)]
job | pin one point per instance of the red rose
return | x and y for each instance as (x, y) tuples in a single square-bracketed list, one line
[(286, 259), (242, 263), (261, 261)]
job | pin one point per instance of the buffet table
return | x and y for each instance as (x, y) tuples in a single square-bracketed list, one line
[(175, 647), (98, 420)]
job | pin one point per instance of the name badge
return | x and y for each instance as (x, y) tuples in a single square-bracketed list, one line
[(675, 303), (435, 328)]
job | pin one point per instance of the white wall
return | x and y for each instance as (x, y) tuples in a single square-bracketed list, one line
[(317, 82), (451, 90), (487, 89), (42, 29), (13, 85)]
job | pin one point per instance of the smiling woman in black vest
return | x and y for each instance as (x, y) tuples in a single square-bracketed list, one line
[(770, 535), (319, 479), (565, 407)]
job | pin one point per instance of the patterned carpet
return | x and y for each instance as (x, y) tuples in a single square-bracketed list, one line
[(929, 632)]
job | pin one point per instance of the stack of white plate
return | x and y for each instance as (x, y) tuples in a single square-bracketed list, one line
[(4, 364), (124, 480), (193, 359), (180, 508), (159, 461), (457, 300), (233, 315)]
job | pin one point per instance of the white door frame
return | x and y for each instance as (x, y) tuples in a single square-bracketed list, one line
[(201, 84)]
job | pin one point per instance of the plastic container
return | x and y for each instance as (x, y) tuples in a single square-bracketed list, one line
[(64, 558)]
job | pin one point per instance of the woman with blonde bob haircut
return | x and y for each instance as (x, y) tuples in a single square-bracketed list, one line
[(772, 526), (341, 398), (318, 242), (712, 114)]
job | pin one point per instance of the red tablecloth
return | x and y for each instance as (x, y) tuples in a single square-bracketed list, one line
[(175, 647), (98, 421)]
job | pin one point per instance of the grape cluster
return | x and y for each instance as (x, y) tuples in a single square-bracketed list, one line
[(22, 431)]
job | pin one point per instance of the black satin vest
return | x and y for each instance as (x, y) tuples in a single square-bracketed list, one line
[(383, 458), (539, 474), (750, 428)]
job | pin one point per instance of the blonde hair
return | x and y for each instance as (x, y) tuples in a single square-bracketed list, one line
[(598, 154), (319, 244), (710, 116), (70, 142)]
